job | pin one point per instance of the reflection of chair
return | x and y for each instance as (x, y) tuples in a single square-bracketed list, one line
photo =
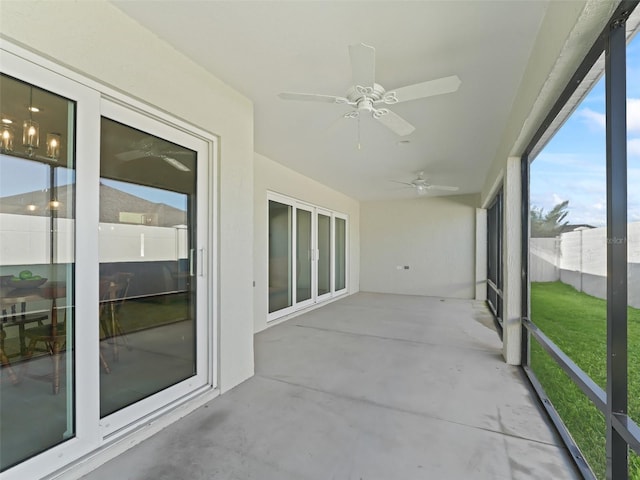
[(53, 336), (11, 318), (113, 293), (4, 361)]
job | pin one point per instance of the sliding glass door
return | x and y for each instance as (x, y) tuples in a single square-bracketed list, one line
[(307, 250), (304, 255), (152, 277), (280, 256), (106, 302), (340, 255), (324, 254), (37, 263)]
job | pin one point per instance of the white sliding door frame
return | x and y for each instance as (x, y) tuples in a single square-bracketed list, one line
[(334, 251), (316, 255), (292, 280), (320, 256), (311, 253), (130, 416), (92, 100)]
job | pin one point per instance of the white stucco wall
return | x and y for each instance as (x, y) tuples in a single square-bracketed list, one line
[(98, 41), (435, 237), (271, 176)]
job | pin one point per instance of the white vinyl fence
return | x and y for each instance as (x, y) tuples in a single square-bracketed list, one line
[(579, 258), (25, 243)]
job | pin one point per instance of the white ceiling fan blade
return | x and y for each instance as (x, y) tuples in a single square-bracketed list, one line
[(363, 64), (312, 97), (442, 187), (130, 155), (428, 89), (395, 123), (403, 183), (175, 163)]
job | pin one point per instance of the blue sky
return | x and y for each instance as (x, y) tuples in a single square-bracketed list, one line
[(572, 165)]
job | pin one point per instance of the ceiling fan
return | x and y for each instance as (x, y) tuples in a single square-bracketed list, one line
[(150, 147), (421, 185), (367, 96)]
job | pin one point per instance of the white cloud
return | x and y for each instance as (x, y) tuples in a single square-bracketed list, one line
[(633, 114), (593, 118), (598, 120), (633, 147)]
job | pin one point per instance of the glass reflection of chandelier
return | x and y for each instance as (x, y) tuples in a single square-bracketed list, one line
[(30, 128), (6, 137), (30, 134), (53, 145)]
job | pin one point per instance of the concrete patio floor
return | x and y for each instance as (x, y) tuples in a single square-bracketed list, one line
[(371, 387)]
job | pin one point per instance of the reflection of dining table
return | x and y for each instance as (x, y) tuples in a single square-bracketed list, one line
[(10, 298)]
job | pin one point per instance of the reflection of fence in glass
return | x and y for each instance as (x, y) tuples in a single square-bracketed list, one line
[(579, 258), (118, 242), (26, 239), (138, 243)]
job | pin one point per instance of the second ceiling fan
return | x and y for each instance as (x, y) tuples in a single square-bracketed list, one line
[(421, 185), (365, 95)]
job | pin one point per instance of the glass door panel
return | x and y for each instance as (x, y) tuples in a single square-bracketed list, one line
[(324, 254), (280, 256), (340, 254), (147, 309), (304, 266), (37, 231)]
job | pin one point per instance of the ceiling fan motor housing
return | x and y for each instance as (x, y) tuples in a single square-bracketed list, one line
[(358, 94)]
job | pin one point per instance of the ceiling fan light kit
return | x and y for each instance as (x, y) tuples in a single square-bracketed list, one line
[(366, 95)]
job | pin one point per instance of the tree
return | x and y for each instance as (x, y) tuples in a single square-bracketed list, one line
[(549, 224)]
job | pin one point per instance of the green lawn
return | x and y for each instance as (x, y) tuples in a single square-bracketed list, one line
[(576, 322)]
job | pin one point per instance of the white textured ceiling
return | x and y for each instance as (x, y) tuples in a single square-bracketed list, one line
[(267, 47)]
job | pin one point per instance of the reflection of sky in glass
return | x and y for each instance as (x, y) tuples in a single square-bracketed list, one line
[(572, 166), (151, 194), (19, 176)]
